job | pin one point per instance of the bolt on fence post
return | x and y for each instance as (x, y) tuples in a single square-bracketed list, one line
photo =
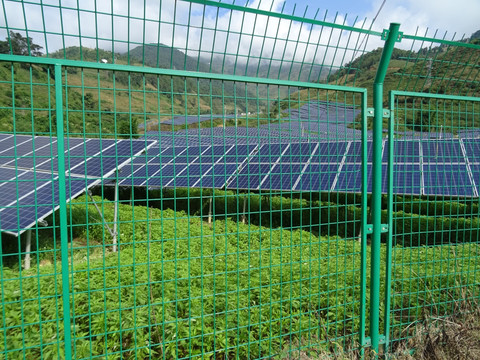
[(62, 196), (377, 185)]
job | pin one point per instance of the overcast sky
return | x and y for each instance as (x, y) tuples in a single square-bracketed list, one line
[(460, 16), (261, 36)]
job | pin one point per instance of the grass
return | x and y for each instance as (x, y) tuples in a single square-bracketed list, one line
[(182, 288)]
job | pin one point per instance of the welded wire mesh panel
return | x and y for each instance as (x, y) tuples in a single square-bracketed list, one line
[(437, 64), (204, 36), (227, 238), (435, 234), (27, 286)]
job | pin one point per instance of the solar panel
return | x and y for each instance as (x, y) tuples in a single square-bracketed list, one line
[(447, 179), (442, 151), (282, 177), (350, 178), (38, 197), (238, 153), (137, 175), (212, 155), (317, 177), (250, 176), (29, 183), (354, 153), (305, 166), (217, 176), (112, 157), (191, 175), (269, 153), (300, 153), (472, 149), (404, 151), (407, 179)]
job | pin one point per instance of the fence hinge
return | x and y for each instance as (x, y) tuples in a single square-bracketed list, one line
[(368, 340), (385, 35), (371, 112), (370, 228)]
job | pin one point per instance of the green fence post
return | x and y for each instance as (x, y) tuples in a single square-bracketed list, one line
[(62, 193), (388, 257), (391, 38)]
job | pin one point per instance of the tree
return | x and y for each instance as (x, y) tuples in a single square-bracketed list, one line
[(19, 45)]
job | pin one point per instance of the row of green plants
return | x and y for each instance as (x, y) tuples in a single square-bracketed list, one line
[(416, 221), (182, 288)]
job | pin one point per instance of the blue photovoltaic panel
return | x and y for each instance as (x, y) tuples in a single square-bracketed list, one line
[(350, 178), (212, 155), (472, 149), (404, 151), (268, 153), (250, 176), (354, 153), (149, 155), (5, 137), (217, 176), (336, 149), (127, 175), (76, 151), (239, 153), (331, 153), (174, 151), (318, 177), (476, 176), (442, 151), (31, 159), (32, 192), (140, 176), (25, 146), (76, 154), (191, 175), (158, 156), (28, 181), (190, 154), (447, 180), (167, 175), (109, 159), (406, 179), (282, 177), (11, 142), (300, 153), (37, 197), (272, 150)]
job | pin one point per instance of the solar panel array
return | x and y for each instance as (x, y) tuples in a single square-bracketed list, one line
[(29, 181), (276, 133), (423, 167), (28, 167)]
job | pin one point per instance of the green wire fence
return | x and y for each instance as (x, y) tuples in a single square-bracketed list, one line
[(200, 179)]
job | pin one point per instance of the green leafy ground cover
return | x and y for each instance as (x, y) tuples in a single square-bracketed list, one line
[(180, 288)]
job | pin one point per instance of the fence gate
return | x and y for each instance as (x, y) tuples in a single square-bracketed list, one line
[(431, 178)]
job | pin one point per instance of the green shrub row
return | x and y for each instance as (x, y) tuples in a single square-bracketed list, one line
[(417, 230), (419, 223), (416, 221), (229, 290), (180, 288), (454, 208)]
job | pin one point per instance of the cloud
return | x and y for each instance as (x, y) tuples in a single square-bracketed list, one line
[(210, 33), (459, 16)]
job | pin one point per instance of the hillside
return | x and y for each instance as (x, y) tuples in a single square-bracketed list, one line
[(102, 102), (98, 103), (434, 70)]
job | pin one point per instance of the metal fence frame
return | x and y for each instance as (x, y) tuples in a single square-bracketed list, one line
[(375, 338)]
